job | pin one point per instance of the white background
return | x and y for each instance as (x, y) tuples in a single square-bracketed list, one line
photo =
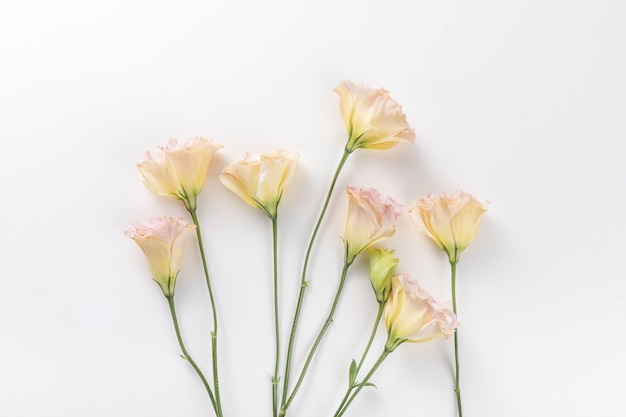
[(518, 102)]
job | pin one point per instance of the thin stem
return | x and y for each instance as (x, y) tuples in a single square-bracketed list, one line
[(276, 328), (186, 356), (342, 408), (216, 385), (369, 343), (457, 386), (303, 281), (367, 348), (320, 336)]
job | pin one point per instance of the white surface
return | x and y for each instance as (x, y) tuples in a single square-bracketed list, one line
[(519, 102)]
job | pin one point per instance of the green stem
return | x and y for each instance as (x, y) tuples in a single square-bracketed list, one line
[(369, 344), (303, 281), (320, 336), (216, 385), (186, 355), (276, 328), (457, 386), (342, 408)]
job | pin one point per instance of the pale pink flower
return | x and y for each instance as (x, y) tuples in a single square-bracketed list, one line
[(412, 315), (373, 119), (452, 221), (178, 169), (261, 178), (161, 240), (371, 218)]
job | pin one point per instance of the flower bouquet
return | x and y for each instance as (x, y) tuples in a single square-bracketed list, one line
[(373, 120)]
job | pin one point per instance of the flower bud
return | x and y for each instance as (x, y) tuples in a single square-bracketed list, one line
[(383, 267)]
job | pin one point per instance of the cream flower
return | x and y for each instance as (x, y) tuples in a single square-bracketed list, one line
[(371, 218), (161, 240), (260, 179), (373, 119), (450, 220), (412, 315), (178, 169), (383, 267)]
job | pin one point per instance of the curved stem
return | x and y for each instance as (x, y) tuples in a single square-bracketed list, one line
[(342, 409), (216, 385), (276, 328), (186, 356), (303, 281), (457, 386), (320, 336), (367, 348)]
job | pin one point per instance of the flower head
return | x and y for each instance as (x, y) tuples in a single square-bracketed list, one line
[(383, 267), (373, 119), (450, 220), (260, 179), (161, 240), (371, 218), (412, 315), (178, 169)]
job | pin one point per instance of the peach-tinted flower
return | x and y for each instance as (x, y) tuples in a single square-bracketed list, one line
[(450, 220), (412, 315), (371, 218), (178, 169), (383, 267), (260, 179), (373, 119), (161, 240)]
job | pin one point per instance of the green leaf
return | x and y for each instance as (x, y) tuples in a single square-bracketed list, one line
[(369, 384), (352, 374)]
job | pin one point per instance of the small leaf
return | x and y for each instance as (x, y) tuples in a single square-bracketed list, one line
[(369, 384), (352, 373)]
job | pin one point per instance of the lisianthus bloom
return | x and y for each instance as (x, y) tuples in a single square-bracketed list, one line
[(450, 220), (178, 169), (383, 267), (412, 315), (161, 240), (260, 178), (373, 119), (371, 218)]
